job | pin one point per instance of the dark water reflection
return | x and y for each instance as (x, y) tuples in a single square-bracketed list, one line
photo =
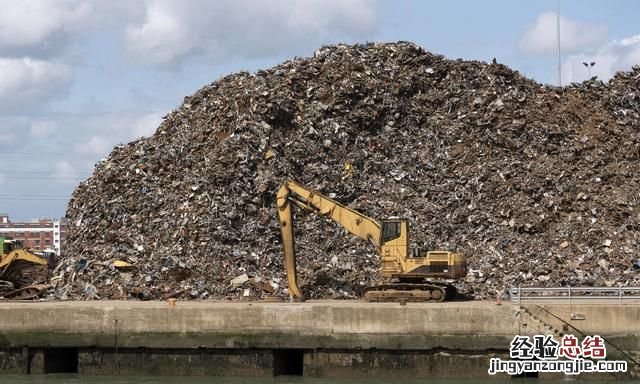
[(81, 379)]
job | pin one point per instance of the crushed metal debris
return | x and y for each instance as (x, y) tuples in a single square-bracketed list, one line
[(537, 185)]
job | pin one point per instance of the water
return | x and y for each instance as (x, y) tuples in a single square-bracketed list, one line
[(82, 379)]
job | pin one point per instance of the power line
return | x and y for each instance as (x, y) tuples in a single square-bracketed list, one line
[(42, 178), (27, 195), (43, 173), (37, 156), (35, 199), (46, 154)]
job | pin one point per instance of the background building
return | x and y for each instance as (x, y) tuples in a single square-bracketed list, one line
[(38, 234)]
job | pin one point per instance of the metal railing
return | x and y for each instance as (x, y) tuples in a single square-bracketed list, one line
[(619, 294)]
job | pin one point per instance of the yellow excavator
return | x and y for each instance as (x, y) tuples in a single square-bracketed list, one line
[(13, 251), (409, 276), (19, 267)]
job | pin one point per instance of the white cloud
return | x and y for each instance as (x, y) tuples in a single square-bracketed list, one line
[(38, 23), (34, 35), (25, 83), (13, 131), (7, 138), (44, 27), (146, 125), (42, 129), (63, 167), (162, 37), (95, 145), (628, 51), (618, 55), (540, 38), (224, 29), (65, 172), (42, 42), (97, 134)]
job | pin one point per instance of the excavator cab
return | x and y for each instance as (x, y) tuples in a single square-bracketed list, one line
[(7, 245), (391, 229)]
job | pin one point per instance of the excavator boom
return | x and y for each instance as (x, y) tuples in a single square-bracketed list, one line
[(353, 221)]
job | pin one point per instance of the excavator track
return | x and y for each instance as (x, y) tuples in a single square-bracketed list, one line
[(26, 293), (421, 292)]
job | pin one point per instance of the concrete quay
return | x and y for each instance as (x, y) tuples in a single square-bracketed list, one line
[(321, 338)]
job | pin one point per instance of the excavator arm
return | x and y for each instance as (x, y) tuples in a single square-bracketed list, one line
[(354, 222), (17, 255)]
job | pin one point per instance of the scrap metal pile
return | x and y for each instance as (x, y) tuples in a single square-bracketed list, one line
[(538, 186), (22, 280)]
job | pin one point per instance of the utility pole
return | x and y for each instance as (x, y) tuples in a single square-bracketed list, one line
[(558, 40), (589, 66)]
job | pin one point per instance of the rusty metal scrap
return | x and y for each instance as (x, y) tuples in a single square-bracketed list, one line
[(537, 185)]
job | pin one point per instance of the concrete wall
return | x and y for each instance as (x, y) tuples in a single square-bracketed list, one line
[(338, 338), (259, 325)]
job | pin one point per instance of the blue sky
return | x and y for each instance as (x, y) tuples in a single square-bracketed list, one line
[(80, 76)]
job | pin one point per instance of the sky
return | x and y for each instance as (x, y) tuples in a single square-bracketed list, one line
[(78, 77)]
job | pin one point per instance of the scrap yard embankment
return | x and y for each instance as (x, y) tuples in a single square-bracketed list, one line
[(317, 338)]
